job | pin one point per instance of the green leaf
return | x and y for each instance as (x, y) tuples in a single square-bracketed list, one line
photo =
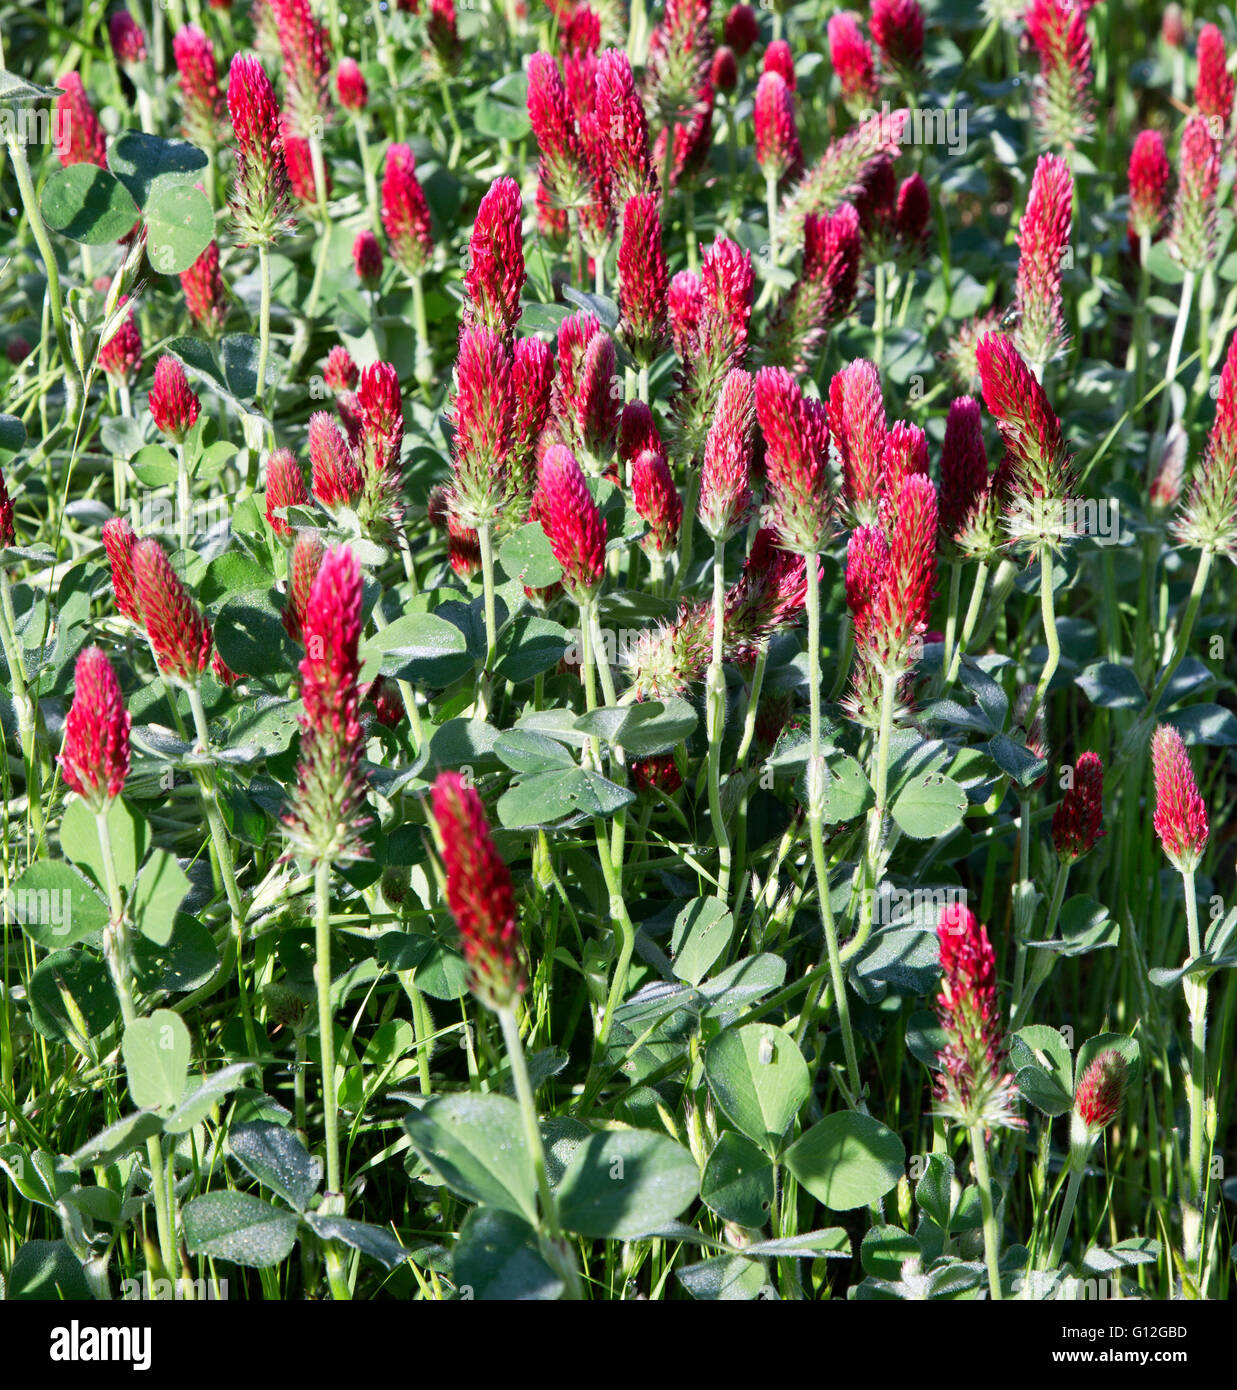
[(702, 931), (40, 1177), (12, 433), (476, 1145), (88, 205), (1110, 686), (238, 1227), (250, 635), (934, 1190), (545, 798), (123, 1137), (46, 1271), (759, 1079), (147, 164), (179, 226), (848, 793), (161, 888), (529, 646), (72, 999), (847, 1160), (200, 1102), (278, 1159), (496, 1258), (884, 1251), (737, 1182), (54, 905), (156, 1053), (1043, 1068), (659, 732), (155, 466), (522, 750), (1139, 1250), (726, 1279), (233, 573), (929, 806), (526, 555), (188, 959), (626, 1183), (831, 1243), (1016, 760), (370, 1240), (421, 647)]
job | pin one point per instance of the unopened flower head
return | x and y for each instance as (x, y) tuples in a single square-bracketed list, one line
[(201, 98), (179, 635), (479, 894), (307, 553), (643, 280), (205, 296), (285, 487), (780, 59), (95, 760), (532, 381), (482, 413), (1043, 243), (1062, 99), (337, 478), (324, 820), (778, 152), (1077, 822), (405, 213), (127, 39), (658, 772), (797, 493), (494, 279), (768, 597), (741, 29), (853, 62), (569, 516), (341, 373), (1100, 1092), (173, 405), (897, 29), (657, 500), (964, 467), (118, 543), (261, 189), (973, 1085), (7, 532), (1213, 93), (367, 259), (121, 355), (1208, 515), (724, 70), (637, 432), (350, 85), (725, 475), (1180, 817), (857, 425), (1150, 176)]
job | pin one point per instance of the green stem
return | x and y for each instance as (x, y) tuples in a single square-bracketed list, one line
[(318, 167), (336, 1275), (1184, 632), (423, 367), (1195, 991), (1064, 1221), (182, 496), (715, 695), (264, 322), (992, 1244), (1174, 350), (1048, 613), (485, 537)]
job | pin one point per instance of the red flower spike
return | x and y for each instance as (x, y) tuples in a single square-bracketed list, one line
[(637, 432), (857, 426), (725, 476), (724, 72), (897, 30), (7, 532), (657, 500), (1213, 94), (479, 894), (201, 98), (1208, 517), (76, 133), (482, 413), (299, 161), (570, 519), (285, 487), (597, 403), (306, 53), (405, 213), (1062, 99), (261, 188), (1101, 1091), (324, 822), (623, 127), (1077, 820), (367, 259), (127, 40), (118, 542), (964, 464), (179, 635), (388, 703), (867, 567), (853, 61), (350, 85), (95, 760), (307, 553), (778, 152), (494, 279), (684, 309), (1180, 814), (205, 297), (905, 453), (768, 597), (1150, 176), (658, 772), (337, 480), (1043, 243), (741, 29), (643, 280), (912, 217), (796, 461), (532, 379), (825, 293), (121, 356), (1194, 212), (574, 335), (463, 547), (680, 51), (779, 59), (563, 160), (380, 414), (341, 372), (973, 1085), (173, 405)]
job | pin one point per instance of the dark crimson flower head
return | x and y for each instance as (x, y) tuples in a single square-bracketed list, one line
[(724, 72), (7, 533), (777, 135), (173, 404), (1213, 94), (1180, 813), (118, 542), (1101, 1091), (741, 29), (964, 464), (643, 280), (261, 188), (867, 568), (1150, 176), (656, 500), (95, 760), (779, 59), (659, 772), (121, 355), (179, 635), (637, 432), (76, 132), (285, 487), (1077, 822), (350, 85), (494, 279), (479, 894), (796, 461), (973, 1086), (127, 40), (897, 28), (388, 703), (205, 297), (367, 259), (858, 427), (405, 213), (725, 475), (570, 519), (853, 61), (201, 98), (532, 380)]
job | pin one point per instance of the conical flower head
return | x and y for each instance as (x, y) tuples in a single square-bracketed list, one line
[(897, 29), (1213, 93), (853, 61), (483, 414), (201, 99), (381, 415), (173, 405), (350, 85), (741, 29), (479, 894), (1150, 176), (564, 170), (306, 53), (95, 760), (680, 52), (1077, 822), (779, 59), (1180, 817), (825, 293), (367, 259), (624, 127), (964, 465), (637, 432), (1062, 98), (494, 279), (643, 280), (261, 189), (118, 543), (324, 820), (303, 568), (796, 461), (1043, 244), (778, 152), (570, 519), (1194, 212), (405, 213), (1100, 1092), (838, 174), (858, 428), (1208, 516), (127, 39), (337, 479), (973, 1085), (657, 500), (205, 297), (285, 487), (867, 568), (725, 476), (179, 635), (78, 136), (121, 355), (532, 380), (341, 373)]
